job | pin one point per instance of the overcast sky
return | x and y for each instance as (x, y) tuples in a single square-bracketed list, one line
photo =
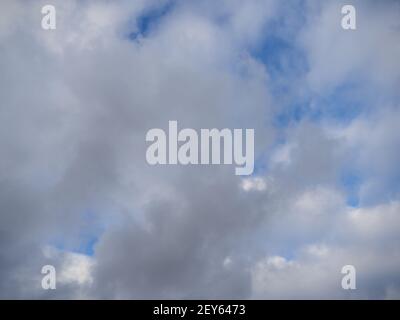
[(77, 193)]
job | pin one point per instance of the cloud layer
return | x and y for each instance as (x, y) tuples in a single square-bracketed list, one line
[(76, 191)]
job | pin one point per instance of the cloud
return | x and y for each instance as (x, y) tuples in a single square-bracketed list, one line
[(360, 237), (76, 191), (370, 51)]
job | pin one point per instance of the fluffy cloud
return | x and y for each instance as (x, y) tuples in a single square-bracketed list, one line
[(364, 237), (76, 192)]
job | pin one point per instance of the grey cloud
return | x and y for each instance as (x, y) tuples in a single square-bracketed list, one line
[(75, 107)]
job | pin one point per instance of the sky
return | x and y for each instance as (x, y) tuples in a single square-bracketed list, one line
[(77, 193)]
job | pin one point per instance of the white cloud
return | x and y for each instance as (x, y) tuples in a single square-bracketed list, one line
[(363, 237), (256, 184), (337, 56), (74, 268)]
